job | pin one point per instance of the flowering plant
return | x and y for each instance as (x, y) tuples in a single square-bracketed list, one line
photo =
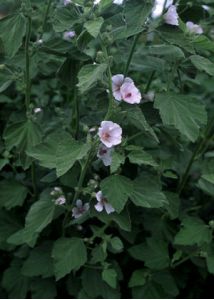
[(106, 149)]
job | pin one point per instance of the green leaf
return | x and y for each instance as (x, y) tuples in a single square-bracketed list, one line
[(14, 282), (69, 254), (169, 52), (12, 31), (89, 75), (40, 214), (93, 26), (208, 170), (136, 117), (138, 278), (141, 157), (202, 64), (23, 136), (117, 189), (99, 253), (154, 253), (39, 262), (116, 244), (12, 194), (132, 21), (210, 259), (186, 114), (43, 289), (68, 152), (193, 231), (65, 18), (147, 193), (8, 225), (45, 152), (117, 160), (110, 277)]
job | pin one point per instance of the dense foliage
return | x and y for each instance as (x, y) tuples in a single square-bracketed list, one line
[(131, 217)]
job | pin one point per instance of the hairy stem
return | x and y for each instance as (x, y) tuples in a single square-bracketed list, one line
[(27, 65)]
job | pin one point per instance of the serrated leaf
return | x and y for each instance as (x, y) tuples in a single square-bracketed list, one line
[(93, 26), (154, 253), (186, 114), (110, 277), (202, 64), (65, 18), (147, 193), (12, 194), (117, 189), (193, 232), (136, 117), (14, 282), (68, 152), (69, 254), (89, 75), (138, 278), (117, 160), (23, 135), (12, 31), (40, 214), (39, 262), (141, 157)]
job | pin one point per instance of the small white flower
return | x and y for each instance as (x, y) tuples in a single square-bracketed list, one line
[(104, 154), (194, 28), (80, 209), (37, 110), (39, 42), (60, 201), (171, 17), (56, 191), (102, 203), (69, 35), (110, 133)]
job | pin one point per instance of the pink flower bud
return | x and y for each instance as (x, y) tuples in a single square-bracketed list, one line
[(171, 17), (194, 28)]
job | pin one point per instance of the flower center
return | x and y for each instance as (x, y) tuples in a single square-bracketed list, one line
[(128, 95), (102, 151), (105, 136)]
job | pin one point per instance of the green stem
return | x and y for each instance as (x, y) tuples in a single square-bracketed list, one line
[(197, 150), (131, 54), (182, 261), (45, 17), (27, 65), (109, 75), (149, 82), (33, 178), (134, 136)]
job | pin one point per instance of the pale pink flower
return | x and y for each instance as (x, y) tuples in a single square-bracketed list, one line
[(79, 209), (130, 93), (194, 28), (171, 17), (68, 35), (110, 133), (104, 154), (117, 82), (60, 201), (102, 204), (67, 2)]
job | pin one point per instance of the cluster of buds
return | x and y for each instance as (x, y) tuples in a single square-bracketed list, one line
[(57, 194)]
